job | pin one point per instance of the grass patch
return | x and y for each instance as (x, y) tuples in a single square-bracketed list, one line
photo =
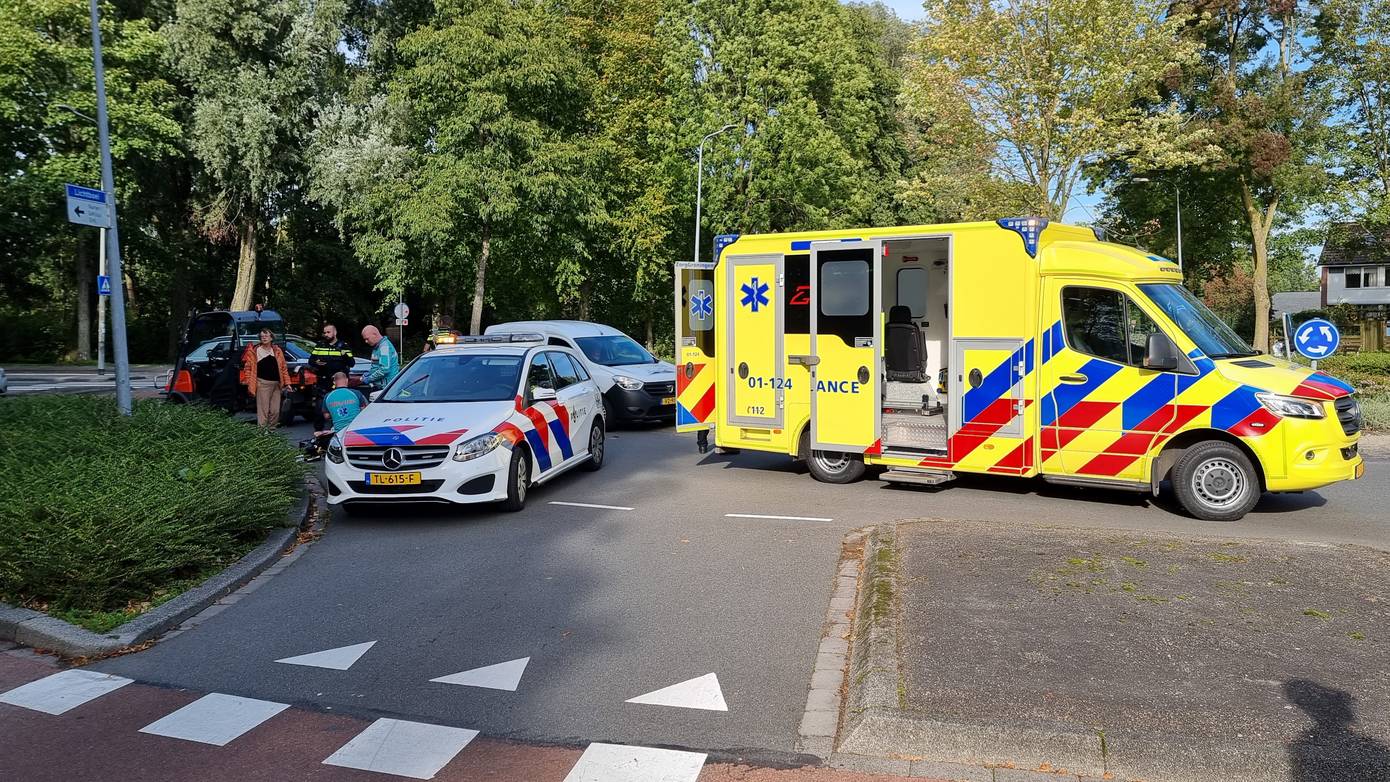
[(102, 516), (1316, 614), (1369, 373)]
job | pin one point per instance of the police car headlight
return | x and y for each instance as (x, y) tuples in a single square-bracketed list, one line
[(627, 383), (335, 450), (1291, 406), (478, 446)]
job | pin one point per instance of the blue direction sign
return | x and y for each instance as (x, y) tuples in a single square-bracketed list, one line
[(88, 207), (1316, 339), (103, 285)]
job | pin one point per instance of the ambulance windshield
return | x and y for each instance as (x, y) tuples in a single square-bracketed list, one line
[(1212, 335)]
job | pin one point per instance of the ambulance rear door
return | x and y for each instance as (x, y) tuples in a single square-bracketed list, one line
[(846, 332), (754, 381), (695, 381)]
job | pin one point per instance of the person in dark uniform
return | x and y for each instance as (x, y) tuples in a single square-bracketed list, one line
[(329, 357)]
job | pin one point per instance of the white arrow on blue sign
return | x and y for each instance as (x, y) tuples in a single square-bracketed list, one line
[(103, 285), (87, 206), (1317, 338)]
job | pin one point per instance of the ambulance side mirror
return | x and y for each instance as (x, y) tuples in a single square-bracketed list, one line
[(1161, 354)]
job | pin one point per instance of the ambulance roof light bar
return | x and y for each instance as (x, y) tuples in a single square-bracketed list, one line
[(500, 339), (1029, 228)]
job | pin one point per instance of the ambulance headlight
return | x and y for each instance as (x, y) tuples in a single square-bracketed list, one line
[(627, 383), (478, 446), (1291, 406), (335, 450)]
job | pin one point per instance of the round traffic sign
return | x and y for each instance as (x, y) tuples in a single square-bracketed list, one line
[(401, 311), (1316, 338)]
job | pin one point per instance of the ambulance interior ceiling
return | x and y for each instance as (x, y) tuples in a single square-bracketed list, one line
[(915, 275)]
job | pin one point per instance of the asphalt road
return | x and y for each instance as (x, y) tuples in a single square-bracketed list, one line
[(612, 604), (145, 379)]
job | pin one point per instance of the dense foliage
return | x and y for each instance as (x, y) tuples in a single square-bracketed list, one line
[(99, 510), (499, 159)]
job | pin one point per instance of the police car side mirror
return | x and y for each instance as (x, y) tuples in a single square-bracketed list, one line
[(373, 395), (1161, 354), (539, 394)]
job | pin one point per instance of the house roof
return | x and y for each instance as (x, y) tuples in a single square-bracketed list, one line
[(1354, 243), (1295, 301)]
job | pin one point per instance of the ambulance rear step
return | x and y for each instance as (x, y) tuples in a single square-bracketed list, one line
[(919, 477)]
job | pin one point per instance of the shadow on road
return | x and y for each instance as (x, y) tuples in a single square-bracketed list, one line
[(1331, 750)]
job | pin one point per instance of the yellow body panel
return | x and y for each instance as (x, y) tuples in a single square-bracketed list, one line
[(754, 388), (1030, 414)]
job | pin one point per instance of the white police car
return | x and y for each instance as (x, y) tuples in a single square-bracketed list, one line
[(479, 421)]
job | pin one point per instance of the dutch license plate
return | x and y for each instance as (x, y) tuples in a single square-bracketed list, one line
[(1360, 469), (393, 478), (668, 400)]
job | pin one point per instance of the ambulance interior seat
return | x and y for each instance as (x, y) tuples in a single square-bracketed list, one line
[(905, 351)]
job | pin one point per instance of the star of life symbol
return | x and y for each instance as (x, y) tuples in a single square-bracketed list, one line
[(754, 294), (702, 305)]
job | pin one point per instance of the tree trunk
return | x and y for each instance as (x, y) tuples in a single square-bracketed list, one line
[(1260, 222), (83, 272), (246, 263), (585, 291), (475, 321)]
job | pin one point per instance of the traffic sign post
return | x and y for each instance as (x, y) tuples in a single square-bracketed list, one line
[(87, 206), (1316, 339)]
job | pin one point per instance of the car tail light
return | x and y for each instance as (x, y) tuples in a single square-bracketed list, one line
[(183, 382), (308, 378)]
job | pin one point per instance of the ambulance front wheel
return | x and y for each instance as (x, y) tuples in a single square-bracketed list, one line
[(835, 466), (1215, 481)]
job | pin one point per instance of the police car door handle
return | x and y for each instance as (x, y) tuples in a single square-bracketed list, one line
[(805, 361), (1073, 379)]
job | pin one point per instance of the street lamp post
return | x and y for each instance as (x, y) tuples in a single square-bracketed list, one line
[(1177, 194), (113, 237), (700, 182)]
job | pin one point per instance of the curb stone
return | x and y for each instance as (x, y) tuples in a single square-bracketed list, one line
[(41, 631)]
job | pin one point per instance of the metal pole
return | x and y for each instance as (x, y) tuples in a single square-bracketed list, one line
[(101, 310), (700, 183), (113, 236), (1178, 193)]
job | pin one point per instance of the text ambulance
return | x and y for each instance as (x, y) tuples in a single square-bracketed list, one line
[(1012, 347)]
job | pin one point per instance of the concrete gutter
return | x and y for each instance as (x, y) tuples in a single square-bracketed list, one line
[(41, 631)]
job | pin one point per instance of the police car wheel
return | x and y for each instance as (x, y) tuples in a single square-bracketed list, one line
[(835, 466), (518, 480), (1215, 481), (595, 447)]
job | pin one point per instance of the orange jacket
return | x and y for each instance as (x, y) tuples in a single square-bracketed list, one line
[(248, 366)]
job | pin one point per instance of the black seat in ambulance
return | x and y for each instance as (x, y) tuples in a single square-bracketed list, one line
[(905, 351)]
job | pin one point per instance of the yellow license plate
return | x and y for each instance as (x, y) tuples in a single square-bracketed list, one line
[(668, 400), (393, 478), (1360, 469)]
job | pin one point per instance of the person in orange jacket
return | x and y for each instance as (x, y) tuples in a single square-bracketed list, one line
[(266, 377)]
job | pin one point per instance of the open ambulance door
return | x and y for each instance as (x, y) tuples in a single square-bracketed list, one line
[(694, 303), (846, 332)]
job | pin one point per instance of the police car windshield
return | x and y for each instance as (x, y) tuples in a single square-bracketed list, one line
[(457, 377), (615, 350), (1211, 333)]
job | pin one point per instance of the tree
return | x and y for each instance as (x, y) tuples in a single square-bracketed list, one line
[(1046, 87), (1353, 59), (467, 155), (260, 72), (1254, 91)]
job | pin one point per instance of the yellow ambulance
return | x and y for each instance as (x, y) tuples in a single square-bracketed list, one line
[(1015, 347)]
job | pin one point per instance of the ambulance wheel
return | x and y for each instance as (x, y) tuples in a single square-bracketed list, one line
[(1215, 481), (835, 466), (518, 480), (595, 447)]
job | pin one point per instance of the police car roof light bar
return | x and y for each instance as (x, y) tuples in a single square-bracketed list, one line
[(497, 339)]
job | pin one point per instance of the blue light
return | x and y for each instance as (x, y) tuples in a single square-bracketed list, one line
[(804, 244), (721, 241), (1158, 259), (1029, 228)]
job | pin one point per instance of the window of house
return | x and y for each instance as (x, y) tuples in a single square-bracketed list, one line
[(1366, 277)]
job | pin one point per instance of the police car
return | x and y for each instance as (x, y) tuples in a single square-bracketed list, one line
[(482, 420)]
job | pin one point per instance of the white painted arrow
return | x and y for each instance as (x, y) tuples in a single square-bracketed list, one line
[(702, 692), (502, 676), (339, 659)]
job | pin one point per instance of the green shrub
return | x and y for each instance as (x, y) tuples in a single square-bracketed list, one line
[(1368, 372), (99, 512)]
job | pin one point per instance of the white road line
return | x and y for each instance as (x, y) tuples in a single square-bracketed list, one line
[(591, 505), (62, 691), (699, 693), (406, 749), (619, 763), (215, 719), (502, 676), (778, 518), (339, 659)]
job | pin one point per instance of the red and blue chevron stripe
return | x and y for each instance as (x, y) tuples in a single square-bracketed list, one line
[(383, 436)]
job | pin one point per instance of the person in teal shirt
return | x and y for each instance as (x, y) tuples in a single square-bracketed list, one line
[(343, 403), (386, 362)]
